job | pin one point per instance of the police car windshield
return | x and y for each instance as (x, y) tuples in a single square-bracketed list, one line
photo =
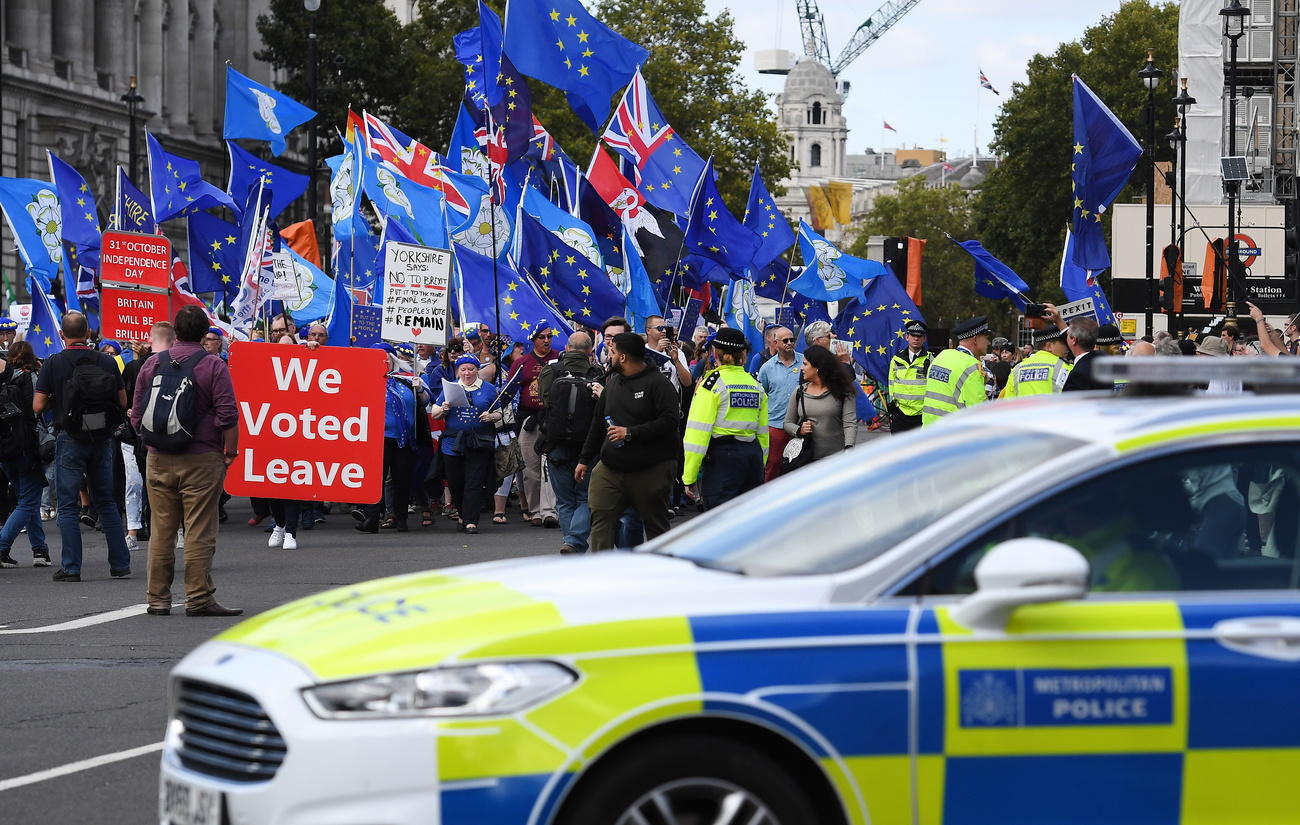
[(839, 513)]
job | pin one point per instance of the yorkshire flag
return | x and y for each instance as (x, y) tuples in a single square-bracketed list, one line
[(32, 209), (257, 112)]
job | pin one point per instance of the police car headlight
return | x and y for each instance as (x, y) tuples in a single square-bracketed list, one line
[(460, 690)]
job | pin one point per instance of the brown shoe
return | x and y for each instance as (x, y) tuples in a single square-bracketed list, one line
[(158, 611), (213, 609)]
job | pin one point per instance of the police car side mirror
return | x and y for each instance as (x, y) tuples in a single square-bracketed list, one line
[(1020, 572)]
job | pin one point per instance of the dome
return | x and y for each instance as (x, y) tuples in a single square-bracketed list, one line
[(973, 178), (809, 78)]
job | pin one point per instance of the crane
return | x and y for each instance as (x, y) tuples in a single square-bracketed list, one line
[(815, 44)]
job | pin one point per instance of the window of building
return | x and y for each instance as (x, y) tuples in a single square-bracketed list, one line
[(815, 155), (818, 118)]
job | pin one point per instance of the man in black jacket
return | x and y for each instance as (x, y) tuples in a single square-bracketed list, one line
[(1081, 337), (634, 434)]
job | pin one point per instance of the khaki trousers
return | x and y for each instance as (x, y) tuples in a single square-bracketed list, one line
[(536, 486), (184, 491), (611, 492)]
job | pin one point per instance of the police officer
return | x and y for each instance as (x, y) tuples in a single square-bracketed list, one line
[(907, 371), (726, 431), (956, 378), (1043, 372)]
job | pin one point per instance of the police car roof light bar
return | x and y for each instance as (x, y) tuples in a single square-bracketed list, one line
[(1276, 374)]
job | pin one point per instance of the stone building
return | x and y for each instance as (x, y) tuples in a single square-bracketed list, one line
[(67, 63)]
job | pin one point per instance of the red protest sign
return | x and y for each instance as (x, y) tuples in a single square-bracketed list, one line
[(135, 260), (129, 314), (311, 422)]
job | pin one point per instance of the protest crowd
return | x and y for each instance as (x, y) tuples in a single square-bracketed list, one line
[(599, 362)]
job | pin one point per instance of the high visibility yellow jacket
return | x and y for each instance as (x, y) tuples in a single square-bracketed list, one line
[(727, 402), (955, 380), (1039, 374), (907, 382)]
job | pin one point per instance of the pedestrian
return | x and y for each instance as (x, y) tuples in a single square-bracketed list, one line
[(285, 513), (1042, 373), (907, 371), (818, 334), (400, 433), (1110, 341), (779, 377), (661, 337), (726, 439), (469, 443), (634, 436), (770, 347), (824, 407), (83, 390), (1000, 361), (8, 332), (478, 344), (535, 488), (22, 457), (1081, 338), (185, 481), (956, 379), (566, 387), (318, 335)]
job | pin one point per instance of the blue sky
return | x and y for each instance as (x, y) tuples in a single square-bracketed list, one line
[(922, 75)]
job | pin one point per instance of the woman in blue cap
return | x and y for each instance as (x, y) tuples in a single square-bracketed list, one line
[(469, 442)]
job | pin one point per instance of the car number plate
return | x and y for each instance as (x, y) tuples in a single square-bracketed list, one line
[(184, 803)]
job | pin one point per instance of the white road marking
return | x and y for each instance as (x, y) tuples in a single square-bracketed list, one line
[(84, 621), (77, 767)]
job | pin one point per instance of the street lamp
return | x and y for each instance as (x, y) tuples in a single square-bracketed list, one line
[(1151, 80), (1234, 28), (312, 6), (132, 99), (1184, 101)]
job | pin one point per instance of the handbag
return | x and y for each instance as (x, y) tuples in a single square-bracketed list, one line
[(475, 441), (799, 449), (509, 458)]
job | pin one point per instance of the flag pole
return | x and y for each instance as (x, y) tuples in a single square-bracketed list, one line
[(677, 264), (492, 222)]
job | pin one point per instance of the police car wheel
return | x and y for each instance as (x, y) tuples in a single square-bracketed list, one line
[(692, 780)]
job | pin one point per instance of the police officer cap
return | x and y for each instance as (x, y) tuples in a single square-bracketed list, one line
[(979, 325), (8, 325), (729, 338), (1042, 336), (916, 327), (1108, 334)]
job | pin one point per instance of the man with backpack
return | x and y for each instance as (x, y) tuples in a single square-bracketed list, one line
[(568, 405), (83, 390), (184, 410)]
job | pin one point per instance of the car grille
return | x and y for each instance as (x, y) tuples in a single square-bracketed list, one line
[(227, 734)]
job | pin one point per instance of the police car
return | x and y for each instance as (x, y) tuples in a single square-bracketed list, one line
[(1053, 610)]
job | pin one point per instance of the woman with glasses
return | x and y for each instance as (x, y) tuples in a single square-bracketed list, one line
[(825, 406)]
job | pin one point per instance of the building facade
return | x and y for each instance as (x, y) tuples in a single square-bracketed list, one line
[(67, 63)]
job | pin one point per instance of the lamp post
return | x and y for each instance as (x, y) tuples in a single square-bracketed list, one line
[(1151, 79), (1234, 28), (312, 6), (1184, 101), (132, 99)]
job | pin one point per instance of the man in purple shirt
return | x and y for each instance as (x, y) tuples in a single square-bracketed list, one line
[(185, 487)]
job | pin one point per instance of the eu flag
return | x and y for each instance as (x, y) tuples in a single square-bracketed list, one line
[(762, 216), (77, 203), (43, 328), (560, 43), (246, 169), (176, 185), (32, 208), (994, 279), (479, 51), (573, 231), (1104, 156), (579, 289), (642, 302), (354, 259), (131, 210), (713, 232), (874, 325), (666, 169), (829, 274), (216, 255), (1078, 283), (521, 304), (257, 112), (772, 281)]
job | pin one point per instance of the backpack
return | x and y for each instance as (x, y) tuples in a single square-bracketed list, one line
[(569, 410), (17, 432), (171, 414), (90, 402)]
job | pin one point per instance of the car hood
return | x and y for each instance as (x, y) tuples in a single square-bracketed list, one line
[(423, 619)]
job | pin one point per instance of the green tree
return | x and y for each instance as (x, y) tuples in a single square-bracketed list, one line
[(1023, 207), (928, 212)]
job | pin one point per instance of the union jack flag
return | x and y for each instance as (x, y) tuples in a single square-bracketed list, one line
[(412, 159), (984, 81), (542, 141), (666, 168)]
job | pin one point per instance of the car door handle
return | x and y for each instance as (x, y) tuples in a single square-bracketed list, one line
[(1270, 637)]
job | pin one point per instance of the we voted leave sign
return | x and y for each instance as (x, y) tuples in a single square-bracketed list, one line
[(311, 422)]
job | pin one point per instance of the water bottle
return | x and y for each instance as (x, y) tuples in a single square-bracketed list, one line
[(609, 422)]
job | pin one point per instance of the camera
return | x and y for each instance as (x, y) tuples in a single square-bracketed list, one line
[(1035, 310)]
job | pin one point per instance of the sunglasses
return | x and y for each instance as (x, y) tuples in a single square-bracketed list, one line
[(659, 328), (786, 340), (544, 335)]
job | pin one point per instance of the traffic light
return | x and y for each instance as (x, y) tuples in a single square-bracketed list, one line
[(1167, 295), (1171, 280)]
